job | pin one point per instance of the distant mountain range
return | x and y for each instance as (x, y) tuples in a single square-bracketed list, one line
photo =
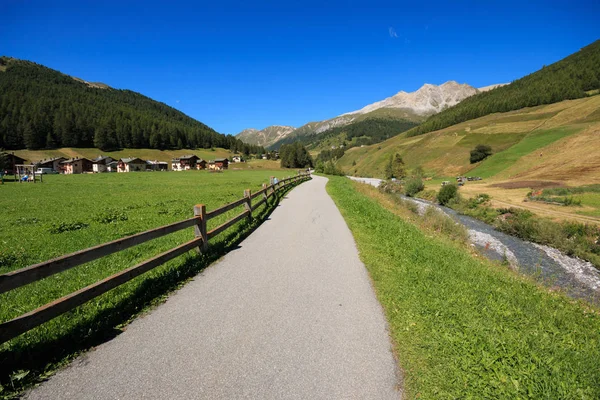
[(270, 134), (414, 107)]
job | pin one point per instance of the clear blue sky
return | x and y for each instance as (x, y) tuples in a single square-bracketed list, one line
[(237, 65)]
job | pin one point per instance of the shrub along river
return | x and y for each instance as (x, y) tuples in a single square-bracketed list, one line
[(579, 278)]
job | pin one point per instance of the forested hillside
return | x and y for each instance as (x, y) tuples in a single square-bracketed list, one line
[(567, 79), (43, 108), (368, 131)]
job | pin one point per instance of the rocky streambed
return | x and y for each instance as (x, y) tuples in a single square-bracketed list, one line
[(579, 278)]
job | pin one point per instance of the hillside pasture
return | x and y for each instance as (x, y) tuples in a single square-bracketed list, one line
[(512, 135)]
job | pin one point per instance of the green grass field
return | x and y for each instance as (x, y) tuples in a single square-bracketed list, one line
[(72, 212), (464, 327), (530, 143)]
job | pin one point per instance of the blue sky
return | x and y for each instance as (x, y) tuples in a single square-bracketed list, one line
[(236, 65)]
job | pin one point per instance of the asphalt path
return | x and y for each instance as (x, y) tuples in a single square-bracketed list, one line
[(290, 314)]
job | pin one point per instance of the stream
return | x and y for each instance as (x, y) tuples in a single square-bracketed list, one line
[(579, 278)]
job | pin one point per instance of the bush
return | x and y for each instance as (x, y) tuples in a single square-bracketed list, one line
[(391, 187), (429, 194), (447, 193), (481, 152), (442, 223), (413, 186), (328, 168)]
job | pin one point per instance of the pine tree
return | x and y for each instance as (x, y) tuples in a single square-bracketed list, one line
[(398, 169)]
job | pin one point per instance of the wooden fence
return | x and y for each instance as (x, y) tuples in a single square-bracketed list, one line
[(24, 276)]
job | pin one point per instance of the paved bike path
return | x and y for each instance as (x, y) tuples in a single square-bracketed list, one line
[(290, 314)]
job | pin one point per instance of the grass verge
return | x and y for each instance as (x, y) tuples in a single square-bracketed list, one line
[(464, 327)]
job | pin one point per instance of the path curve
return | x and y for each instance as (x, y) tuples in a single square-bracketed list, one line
[(290, 314)]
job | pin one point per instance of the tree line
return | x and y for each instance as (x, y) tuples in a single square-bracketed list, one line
[(295, 156), (365, 132), (569, 78), (43, 108)]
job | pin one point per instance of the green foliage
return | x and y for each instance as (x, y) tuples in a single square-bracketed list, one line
[(569, 78), (413, 185), (479, 153), (334, 154), (395, 167), (295, 156), (42, 108), (388, 172), (447, 193), (463, 327), (328, 168), (398, 170), (418, 172), (439, 222), (365, 132)]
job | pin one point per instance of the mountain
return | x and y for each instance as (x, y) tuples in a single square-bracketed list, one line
[(42, 108), (569, 78), (413, 107), (428, 100), (264, 137)]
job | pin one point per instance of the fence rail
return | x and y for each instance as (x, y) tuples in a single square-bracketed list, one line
[(33, 273)]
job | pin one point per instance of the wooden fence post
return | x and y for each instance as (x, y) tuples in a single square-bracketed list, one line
[(200, 228), (264, 186), (248, 204)]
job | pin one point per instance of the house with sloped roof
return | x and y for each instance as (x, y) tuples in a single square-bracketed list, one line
[(184, 163), (219, 164), (155, 165), (131, 164), (12, 161), (77, 165), (100, 163), (52, 163)]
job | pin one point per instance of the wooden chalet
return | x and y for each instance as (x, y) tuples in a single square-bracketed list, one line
[(131, 164), (219, 164), (201, 164), (184, 163), (76, 166), (100, 163)]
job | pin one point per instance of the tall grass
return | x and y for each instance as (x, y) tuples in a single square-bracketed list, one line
[(464, 327)]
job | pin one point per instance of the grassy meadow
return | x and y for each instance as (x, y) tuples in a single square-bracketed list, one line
[(67, 213), (462, 326)]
